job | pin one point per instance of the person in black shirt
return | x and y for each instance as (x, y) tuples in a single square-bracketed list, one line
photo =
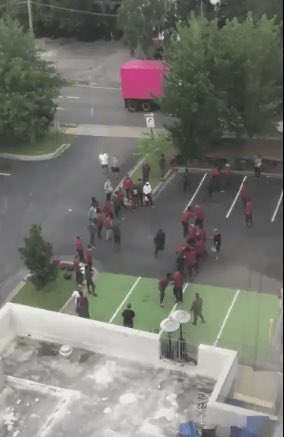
[(162, 165), (217, 241), (196, 309), (128, 316), (186, 179), (159, 241)]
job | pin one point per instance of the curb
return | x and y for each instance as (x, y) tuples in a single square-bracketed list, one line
[(44, 157), (240, 172), (14, 292), (158, 189)]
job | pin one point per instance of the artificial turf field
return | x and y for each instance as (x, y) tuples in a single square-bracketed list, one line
[(234, 320)]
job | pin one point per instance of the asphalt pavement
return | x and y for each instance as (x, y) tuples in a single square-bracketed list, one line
[(98, 105), (251, 259), (44, 192)]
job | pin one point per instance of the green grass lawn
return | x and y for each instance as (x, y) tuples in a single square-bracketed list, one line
[(50, 143), (52, 297)]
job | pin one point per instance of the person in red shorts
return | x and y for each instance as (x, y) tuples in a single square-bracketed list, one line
[(249, 213), (244, 195), (127, 186)]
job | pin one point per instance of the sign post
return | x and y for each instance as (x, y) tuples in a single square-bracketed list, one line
[(150, 122)]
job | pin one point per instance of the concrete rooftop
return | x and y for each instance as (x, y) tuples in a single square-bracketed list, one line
[(91, 395)]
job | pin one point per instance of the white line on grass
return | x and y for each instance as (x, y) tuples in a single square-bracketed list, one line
[(5, 174), (236, 198), (196, 191), (277, 207), (125, 299), (175, 306), (227, 317), (69, 97), (60, 109)]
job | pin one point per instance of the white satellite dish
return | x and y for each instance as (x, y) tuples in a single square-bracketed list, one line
[(181, 316), (169, 325)]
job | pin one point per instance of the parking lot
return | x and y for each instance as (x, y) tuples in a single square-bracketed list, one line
[(251, 259)]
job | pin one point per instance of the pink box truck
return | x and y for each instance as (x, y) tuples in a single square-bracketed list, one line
[(141, 82)]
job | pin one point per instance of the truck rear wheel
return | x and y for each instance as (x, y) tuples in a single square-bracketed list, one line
[(146, 106), (132, 105)]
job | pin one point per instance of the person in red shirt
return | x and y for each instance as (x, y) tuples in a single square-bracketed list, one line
[(191, 236), (100, 222), (185, 218), (201, 233), (191, 261), (89, 256), (249, 213), (199, 215), (77, 270), (216, 174), (108, 226), (107, 208), (79, 249), (127, 186), (200, 249), (163, 283), (178, 285), (146, 172), (244, 195)]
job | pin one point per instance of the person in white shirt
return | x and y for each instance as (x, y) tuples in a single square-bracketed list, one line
[(257, 166), (92, 214), (103, 158), (147, 191), (108, 189)]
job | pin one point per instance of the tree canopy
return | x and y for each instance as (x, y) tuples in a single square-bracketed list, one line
[(37, 256), (28, 86), (222, 80)]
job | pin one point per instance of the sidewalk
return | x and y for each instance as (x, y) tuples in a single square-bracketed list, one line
[(100, 130)]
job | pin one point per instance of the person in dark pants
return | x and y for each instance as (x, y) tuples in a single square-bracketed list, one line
[(185, 218), (178, 285), (92, 230), (128, 317), (82, 307), (210, 188), (89, 280), (257, 166), (140, 194), (217, 241), (146, 169), (159, 241), (89, 256), (100, 223), (180, 261), (196, 309), (77, 270), (162, 164), (249, 213), (116, 233), (116, 204), (186, 181), (163, 283)]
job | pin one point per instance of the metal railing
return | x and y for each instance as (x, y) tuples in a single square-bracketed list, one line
[(177, 350)]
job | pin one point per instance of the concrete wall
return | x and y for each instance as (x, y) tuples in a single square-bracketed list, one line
[(99, 337), (7, 332)]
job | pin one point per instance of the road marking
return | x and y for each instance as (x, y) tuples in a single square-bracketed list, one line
[(277, 207), (5, 174), (97, 87), (125, 299), (175, 305), (236, 198), (163, 184), (69, 97), (59, 108), (227, 317), (196, 191)]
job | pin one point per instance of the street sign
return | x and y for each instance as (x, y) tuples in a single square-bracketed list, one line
[(150, 120)]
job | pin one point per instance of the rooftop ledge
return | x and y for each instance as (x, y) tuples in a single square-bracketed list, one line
[(141, 350)]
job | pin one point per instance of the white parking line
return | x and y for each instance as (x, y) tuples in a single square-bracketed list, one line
[(196, 191), (5, 174), (226, 318), (175, 305), (277, 207), (125, 299), (59, 108), (69, 97), (236, 198)]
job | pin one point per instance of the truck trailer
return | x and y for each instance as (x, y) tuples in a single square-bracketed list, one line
[(142, 81)]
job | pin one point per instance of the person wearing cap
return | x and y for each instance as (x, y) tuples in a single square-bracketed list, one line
[(147, 191), (128, 316)]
